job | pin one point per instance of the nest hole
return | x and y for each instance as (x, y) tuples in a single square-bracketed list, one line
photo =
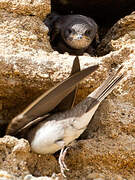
[(105, 13)]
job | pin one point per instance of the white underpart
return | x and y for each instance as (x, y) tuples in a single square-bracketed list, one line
[(45, 138), (53, 135)]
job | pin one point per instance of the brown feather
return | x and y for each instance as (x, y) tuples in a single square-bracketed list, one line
[(48, 101)]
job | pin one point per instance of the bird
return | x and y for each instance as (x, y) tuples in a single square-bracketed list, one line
[(49, 130), (71, 33)]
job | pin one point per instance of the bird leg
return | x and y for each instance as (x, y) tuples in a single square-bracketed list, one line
[(62, 164)]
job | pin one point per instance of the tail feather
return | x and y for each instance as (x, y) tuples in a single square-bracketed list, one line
[(94, 99), (107, 86), (108, 89)]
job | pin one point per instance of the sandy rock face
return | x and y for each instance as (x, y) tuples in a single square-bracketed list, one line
[(21, 38), (28, 67), (38, 8), (120, 35), (13, 155), (17, 160), (22, 34)]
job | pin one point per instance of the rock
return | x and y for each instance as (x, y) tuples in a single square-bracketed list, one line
[(53, 177), (38, 8), (4, 175), (17, 159), (17, 36), (95, 176), (122, 34), (19, 43), (13, 155)]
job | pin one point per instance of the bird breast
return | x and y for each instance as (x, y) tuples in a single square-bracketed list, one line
[(51, 136), (46, 137)]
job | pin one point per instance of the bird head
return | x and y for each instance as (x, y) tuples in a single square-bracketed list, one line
[(78, 36)]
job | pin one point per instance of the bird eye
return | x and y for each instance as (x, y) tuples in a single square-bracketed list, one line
[(87, 32), (69, 31)]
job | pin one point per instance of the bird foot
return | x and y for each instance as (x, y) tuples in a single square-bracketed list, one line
[(63, 166)]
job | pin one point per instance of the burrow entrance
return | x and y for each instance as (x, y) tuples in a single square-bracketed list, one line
[(105, 12)]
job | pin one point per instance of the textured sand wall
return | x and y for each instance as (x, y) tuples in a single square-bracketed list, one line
[(28, 67)]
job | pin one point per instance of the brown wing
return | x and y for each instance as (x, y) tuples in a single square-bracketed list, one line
[(68, 101), (48, 101)]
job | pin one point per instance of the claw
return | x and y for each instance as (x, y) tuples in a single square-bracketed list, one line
[(63, 166)]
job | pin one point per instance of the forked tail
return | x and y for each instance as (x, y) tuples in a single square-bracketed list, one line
[(107, 86)]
